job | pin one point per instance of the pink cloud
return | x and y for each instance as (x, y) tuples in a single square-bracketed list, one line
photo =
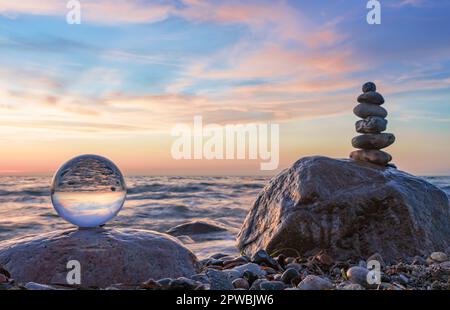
[(100, 11)]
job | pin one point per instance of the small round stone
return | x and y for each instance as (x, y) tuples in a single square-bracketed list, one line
[(325, 259), (376, 157), (262, 257), (272, 285), (369, 86), (241, 283), (312, 282), (289, 275), (358, 275), (371, 97), (439, 257), (373, 141), (257, 284), (364, 110)]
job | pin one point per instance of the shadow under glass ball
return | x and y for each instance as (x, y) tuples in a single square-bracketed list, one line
[(88, 190)]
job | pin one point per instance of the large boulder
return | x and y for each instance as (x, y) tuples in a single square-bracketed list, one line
[(106, 256), (348, 208)]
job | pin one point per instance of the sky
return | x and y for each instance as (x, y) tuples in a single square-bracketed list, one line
[(116, 84)]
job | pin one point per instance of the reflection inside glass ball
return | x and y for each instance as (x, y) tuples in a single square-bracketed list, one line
[(88, 190)]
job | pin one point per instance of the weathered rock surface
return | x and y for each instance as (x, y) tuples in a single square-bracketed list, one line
[(371, 97), (373, 141), (376, 157), (348, 208), (364, 110), (106, 256), (371, 124)]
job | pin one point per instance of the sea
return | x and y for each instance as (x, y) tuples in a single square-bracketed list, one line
[(152, 203)]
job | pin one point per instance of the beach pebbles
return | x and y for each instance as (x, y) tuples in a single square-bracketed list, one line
[(371, 126)]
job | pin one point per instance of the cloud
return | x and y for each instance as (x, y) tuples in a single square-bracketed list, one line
[(276, 20), (284, 67), (283, 58), (99, 11), (403, 3)]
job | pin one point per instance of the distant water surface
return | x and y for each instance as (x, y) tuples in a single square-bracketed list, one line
[(155, 203)]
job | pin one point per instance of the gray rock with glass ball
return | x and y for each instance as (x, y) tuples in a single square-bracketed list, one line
[(88, 191)]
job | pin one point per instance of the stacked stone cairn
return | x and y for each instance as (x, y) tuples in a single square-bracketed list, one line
[(371, 127)]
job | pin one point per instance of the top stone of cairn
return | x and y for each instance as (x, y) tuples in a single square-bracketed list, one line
[(369, 86)]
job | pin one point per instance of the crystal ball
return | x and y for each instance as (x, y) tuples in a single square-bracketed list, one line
[(88, 190)]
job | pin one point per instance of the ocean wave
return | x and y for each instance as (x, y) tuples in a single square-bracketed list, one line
[(154, 203)]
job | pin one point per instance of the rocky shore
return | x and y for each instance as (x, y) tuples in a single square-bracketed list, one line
[(324, 222), (264, 272)]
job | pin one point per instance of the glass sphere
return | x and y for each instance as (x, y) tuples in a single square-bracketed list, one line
[(88, 190)]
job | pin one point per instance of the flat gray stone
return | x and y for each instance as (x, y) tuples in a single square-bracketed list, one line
[(373, 141), (371, 97), (196, 227), (315, 283), (219, 280), (364, 110), (376, 157)]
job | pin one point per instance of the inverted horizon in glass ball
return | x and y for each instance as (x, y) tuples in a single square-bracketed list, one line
[(88, 190)]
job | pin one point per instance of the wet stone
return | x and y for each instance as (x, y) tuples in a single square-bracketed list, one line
[(272, 285), (257, 284), (262, 257), (312, 282), (219, 280), (358, 275), (289, 274), (241, 283)]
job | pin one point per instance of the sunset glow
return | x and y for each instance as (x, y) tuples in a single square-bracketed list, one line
[(116, 84)]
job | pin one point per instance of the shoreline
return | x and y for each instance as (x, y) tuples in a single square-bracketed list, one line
[(263, 272)]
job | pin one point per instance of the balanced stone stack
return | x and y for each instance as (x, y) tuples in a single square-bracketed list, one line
[(371, 127)]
